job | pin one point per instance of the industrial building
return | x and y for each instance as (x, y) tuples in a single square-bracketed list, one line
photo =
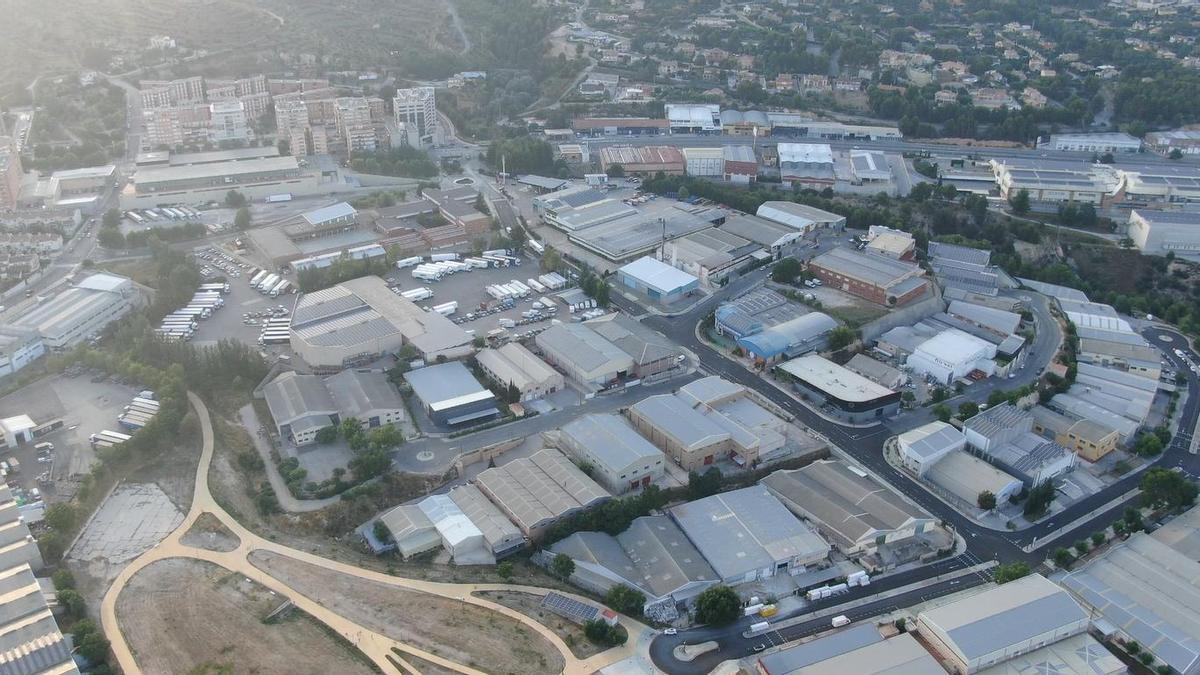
[(896, 245), (770, 235), (882, 280), (618, 232), (1133, 355), (1159, 232), (841, 392), (923, 447), (643, 159), (30, 640), (860, 650), (538, 491), (707, 421), (1160, 184), (754, 311), (657, 280), (1186, 141), (18, 348), (450, 395), (706, 162), (197, 183), (361, 319), (1001, 623), (464, 522), (618, 126), (301, 405), (1004, 434), (965, 476), (741, 164), (651, 353), (800, 217), (652, 556), (1056, 182), (1145, 591), (808, 165), (871, 169), (620, 459), (964, 268), (1095, 143), (584, 355), (79, 312), (693, 118), (860, 516), (747, 535), (952, 354), (1089, 439), (789, 339), (513, 365), (876, 371), (712, 255)]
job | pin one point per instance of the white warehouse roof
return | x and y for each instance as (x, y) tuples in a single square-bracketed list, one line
[(658, 274)]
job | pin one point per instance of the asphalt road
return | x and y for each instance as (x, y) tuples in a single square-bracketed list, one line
[(865, 445)]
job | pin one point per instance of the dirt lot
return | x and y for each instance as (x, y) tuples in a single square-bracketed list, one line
[(184, 616), (208, 533), (531, 606), (425, 667), (439, 625)]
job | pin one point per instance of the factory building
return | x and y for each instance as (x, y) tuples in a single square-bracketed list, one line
[(861, 650), (618, 126), (1056, 182), (651, 353), (199, 182), (888, 282), (79, 312), (538, 491), (789, 339), (963, 268), (1089, 439), (876, 371), (808, 165), (583, 354), (706, 162), (643, 159), (19, 347), (450, 395), (621, 460), (1159, 232), (712, 255), (800, 217), (1095, 143), (657, 280), (513, 365), (842, 392), (923, 447), (301, 405), (740, 164), (693, 118), (952, 354), (770, 235), (1004, 434), (1186, 141)]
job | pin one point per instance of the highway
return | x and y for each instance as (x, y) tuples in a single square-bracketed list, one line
[(865, 445)]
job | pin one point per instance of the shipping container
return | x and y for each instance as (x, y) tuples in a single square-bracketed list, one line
[(409, 262)]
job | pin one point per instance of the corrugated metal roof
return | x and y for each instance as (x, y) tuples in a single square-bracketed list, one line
[(609, 440)]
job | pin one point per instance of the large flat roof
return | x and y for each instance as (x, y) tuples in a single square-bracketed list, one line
[(829, 377), (678, 419), (164, 174), (514, 364), (658, 275), (232, 155), (746, 530), (873, 269), (900, 655), (931, 439), (293, 396), (1006, 615), (585, 348), (611, 441), (642, 344), (446, 385), (965, 476)]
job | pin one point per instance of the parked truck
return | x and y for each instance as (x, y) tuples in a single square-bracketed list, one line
[(418, 294), (409, 262)]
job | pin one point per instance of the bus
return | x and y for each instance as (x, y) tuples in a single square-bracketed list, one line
[(146, 401), (132, 215), (221, 288), (151, 214)]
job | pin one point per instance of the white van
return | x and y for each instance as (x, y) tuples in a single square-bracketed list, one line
[(840, 620)]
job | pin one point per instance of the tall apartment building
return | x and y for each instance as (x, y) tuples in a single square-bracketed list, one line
[(163, 93), (176, 125), (10, 173), (416, 109), (227, 121), (245, 86), (354, 125)]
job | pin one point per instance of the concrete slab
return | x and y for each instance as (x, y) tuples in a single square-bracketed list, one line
[(132, 520)]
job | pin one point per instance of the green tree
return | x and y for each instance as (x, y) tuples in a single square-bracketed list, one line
[(241, 220), (1133, 519), (63, 579), (1063, 558), (505, 570), (72, 602), (601, 633), (61, 516), (284, 146), (701, 485), (942, 412), (625, 600), (326, 435), (615, 171), (1081, 546), (1011, 572), (1175, 153), (235, 199), (1038, 501), (718, 605), (111, 238), (840, 338), (683, 193), (1163, 489), (1020, 202), (967, 410), (1098, 538), (785, 271), (112, 218), (562, 566), (986, 500), (93, 647), (369, 464)]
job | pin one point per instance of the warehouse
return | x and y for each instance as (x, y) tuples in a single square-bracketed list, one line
[(18, 348), (997, 321), (860, 650), (361, 319), (740, 164), (871, 168), (1158, 183), (618, 126), (841, 392), (923, 447), (499, 533), (707, 162), (691, 438), (1004, 433), (640, 231), (1095, 143), (964, 268), (437, 521), (301, 405), (1157, 232), (712, 254), (851, 509), (79, 312), (774, 237), (652, 354), (657, 280), (1089, 439), (965, 477), (621, 460), (542, 184), (1001, 623), (895, 245), (693, 118), (450, 395), (1056, 181), (538, 491), (892, 283), (800, 217), (734, 407), (747, 535), (653, 556), (952, 354), (583, 354), (198, 183), (876, 371), (1146, 590), (789, 339), (513, 365), (1187, 141), (646, 159), (807, 165), (755, 311), (1079, 408)]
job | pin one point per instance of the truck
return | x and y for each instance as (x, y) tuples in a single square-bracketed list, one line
[(447, 308), (425, 275), (218, 287), (113, 437), (409, 262), (13, 465), (535, 285), (839, 621), (440, 257), (268, 283), (418, 294), (478, 263), (496, 252), (507, 323), (536, 246), (760, 627), (257, 278)]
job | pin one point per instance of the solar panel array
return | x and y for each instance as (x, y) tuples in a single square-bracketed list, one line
[(570, 608)]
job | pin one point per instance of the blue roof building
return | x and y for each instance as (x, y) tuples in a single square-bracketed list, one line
[(788, 339)]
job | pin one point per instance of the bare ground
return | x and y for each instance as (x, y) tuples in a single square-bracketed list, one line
[(210, 534), (465, 634), (531, 606), (423, 667), (183, 616)]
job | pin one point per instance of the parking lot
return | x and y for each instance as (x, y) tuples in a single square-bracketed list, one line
[(87, 403), (230, 322)]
